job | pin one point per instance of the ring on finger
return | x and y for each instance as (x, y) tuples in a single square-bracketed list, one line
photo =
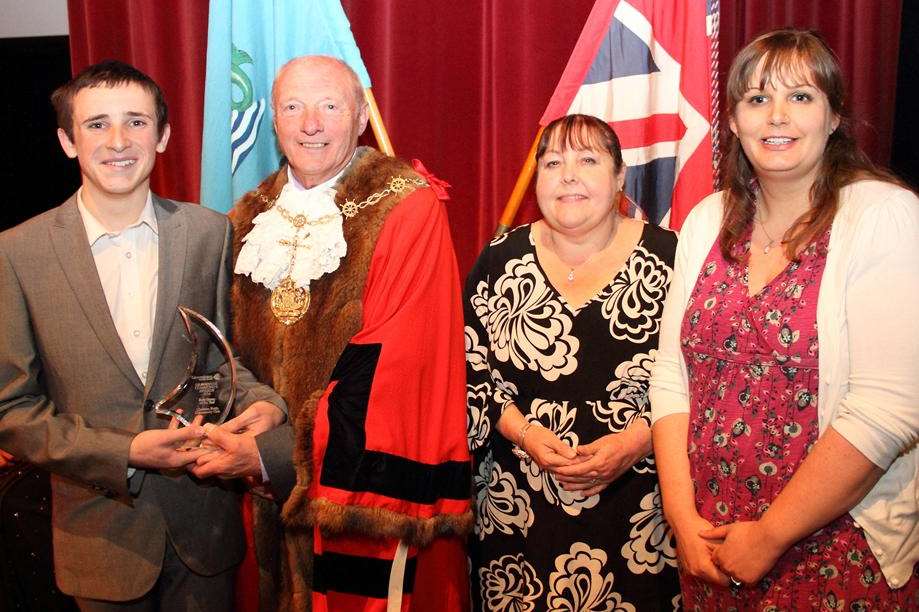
[(593, 480)]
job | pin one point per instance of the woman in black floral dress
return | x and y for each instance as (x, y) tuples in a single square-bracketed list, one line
[(561, 329)]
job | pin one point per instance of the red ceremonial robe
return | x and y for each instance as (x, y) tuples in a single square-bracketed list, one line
[(374, 378)]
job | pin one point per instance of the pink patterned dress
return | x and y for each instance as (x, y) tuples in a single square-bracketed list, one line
[(753, 383)]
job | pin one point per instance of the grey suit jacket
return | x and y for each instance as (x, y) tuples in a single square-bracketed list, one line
[(71, 402)]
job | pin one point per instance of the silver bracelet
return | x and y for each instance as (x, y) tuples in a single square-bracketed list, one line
[(518, 449)]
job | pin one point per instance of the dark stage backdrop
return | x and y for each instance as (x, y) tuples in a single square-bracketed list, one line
[(461, 85), (904, 158), (34, 171)]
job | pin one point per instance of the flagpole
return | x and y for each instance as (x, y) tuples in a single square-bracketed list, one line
[(376, 124), (520, 187)]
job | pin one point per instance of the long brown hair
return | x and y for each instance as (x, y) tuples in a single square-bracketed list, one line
[(802, 53)]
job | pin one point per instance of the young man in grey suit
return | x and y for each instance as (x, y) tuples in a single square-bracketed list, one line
[(90, 338)]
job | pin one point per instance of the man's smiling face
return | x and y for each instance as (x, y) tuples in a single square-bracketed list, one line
[(318, 118), (115, 139)]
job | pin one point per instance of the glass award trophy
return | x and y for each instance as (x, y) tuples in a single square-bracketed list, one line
[(204, 389)]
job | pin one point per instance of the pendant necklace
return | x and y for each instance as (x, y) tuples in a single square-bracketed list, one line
[(768, 246), (571, 269), (570, 276)]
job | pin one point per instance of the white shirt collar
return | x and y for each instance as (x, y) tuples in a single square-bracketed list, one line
[(95, 229), (296, 184)]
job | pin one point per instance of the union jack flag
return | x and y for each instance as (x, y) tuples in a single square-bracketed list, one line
[(645, 67)]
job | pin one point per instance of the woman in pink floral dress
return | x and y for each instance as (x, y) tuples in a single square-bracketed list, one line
[(785, 398)]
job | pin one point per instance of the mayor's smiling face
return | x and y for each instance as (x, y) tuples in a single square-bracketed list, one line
[(318, 117)]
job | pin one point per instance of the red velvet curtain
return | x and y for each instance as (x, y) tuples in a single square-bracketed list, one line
[(461, 85), (167, 39)]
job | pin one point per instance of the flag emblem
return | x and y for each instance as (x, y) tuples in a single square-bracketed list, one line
[(246, 116)]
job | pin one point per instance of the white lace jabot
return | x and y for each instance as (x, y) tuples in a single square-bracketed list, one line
[(269, 254)]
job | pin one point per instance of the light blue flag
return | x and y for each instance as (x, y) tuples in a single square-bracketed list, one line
[(247, 42)]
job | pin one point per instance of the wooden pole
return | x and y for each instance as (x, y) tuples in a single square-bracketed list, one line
[(520, 188), (376, 124)]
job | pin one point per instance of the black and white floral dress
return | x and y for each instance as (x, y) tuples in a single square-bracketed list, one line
[(583, 374)]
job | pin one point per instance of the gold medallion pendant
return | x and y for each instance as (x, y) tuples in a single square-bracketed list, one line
[(289, 302)]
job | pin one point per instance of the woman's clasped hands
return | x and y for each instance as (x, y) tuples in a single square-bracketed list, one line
[(588, 468), (741, 551)]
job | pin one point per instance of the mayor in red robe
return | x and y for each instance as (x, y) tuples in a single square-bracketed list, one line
[(352, 313)]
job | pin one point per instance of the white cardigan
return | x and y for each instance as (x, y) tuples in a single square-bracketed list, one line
[(868, 333)]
